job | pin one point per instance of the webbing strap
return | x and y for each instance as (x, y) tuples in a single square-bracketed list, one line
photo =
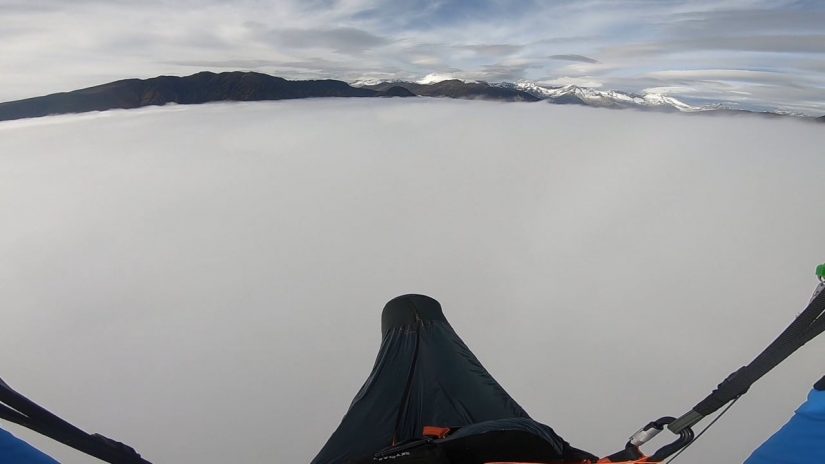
[(18, 409), (803, 329)]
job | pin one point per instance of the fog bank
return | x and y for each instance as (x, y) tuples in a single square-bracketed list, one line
[(204, 283)]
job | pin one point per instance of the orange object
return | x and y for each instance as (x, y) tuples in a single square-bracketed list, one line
[(431, 431)]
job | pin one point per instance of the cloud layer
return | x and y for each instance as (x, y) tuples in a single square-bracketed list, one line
[(777, 45), (205, 282)]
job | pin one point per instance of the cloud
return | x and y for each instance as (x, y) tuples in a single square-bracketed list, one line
[(671, 90), (775, 90), (723, 74), (429, 15), (813, 43), (62, 46), (230, 64), (341, 69), (748, 22), (579, 58), (798, 43), (341, 39), (494, 50), (509, 71), (432, 78), (577, 81), (220, 269)]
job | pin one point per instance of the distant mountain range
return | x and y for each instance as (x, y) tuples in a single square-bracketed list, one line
[(455, 88), (205, 87), (606, 98)]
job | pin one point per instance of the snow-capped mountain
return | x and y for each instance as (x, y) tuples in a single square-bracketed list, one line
[(204, 87), (604, 98), (373, 82)]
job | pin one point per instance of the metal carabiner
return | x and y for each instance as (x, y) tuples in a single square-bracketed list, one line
[(652, 429)]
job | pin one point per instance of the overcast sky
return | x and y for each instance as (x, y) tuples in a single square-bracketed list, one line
[(763, 54), (204, 282)]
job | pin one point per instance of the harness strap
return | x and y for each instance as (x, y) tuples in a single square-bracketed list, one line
[(20, 410), (806, 326)]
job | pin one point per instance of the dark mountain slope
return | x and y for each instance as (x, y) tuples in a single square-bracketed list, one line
[(397, 91), (459, 89), (202, 87)]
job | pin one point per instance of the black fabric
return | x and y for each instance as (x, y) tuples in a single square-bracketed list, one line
[(16, 408), (423, 375), (407, 310), (513, 424), (510, 440), (416, 452), (804, 328), (503, 440), (820, 385), (630, 453)]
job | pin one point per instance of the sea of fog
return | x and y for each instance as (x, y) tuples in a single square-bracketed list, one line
[(204, 283)]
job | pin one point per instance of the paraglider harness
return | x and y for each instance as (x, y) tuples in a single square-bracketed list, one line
[(805, 327), (18, 409)]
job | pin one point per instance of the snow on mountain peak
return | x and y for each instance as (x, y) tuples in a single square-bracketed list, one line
[(575, 94), (610, 98), (368, 82), (434, 78)]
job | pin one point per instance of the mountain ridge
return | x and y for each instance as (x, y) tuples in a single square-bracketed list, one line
[(202, 87), (455, 88), (606, 98), (206, 87)]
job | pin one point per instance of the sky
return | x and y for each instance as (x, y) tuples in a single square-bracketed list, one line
[(204, 283), (750, 54)]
